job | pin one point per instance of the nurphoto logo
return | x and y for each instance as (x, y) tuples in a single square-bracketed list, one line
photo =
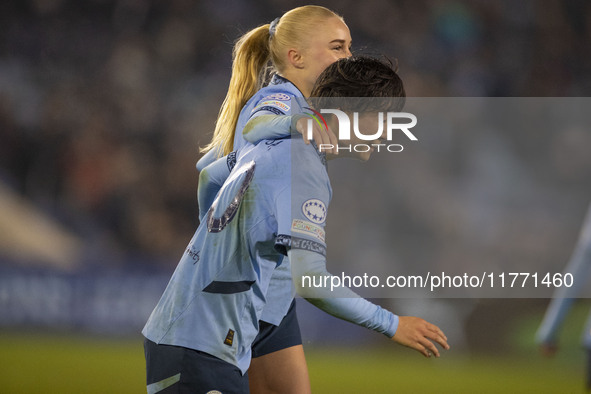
[(364, 140)]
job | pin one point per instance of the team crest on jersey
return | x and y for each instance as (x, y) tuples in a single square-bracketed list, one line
[(278, 96), (314, 210)]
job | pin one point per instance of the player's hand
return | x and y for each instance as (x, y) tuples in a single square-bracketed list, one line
[(416, 333), (320, 134)]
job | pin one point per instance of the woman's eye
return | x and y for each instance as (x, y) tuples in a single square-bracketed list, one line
[(338, 48)]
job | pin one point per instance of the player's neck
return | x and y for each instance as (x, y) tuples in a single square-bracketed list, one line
[(299, 80)]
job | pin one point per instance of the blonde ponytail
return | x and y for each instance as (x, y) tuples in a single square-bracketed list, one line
[(251, 56), (250, 59)]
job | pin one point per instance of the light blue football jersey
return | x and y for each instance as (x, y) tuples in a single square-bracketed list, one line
[(280, 97), (221, 285)]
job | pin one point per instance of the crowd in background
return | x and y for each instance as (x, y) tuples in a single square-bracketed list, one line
[(104, 104)]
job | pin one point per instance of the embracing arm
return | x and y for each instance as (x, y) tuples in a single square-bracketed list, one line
[(269, 127)]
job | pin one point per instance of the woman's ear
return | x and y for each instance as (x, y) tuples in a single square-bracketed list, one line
[(295, 58)]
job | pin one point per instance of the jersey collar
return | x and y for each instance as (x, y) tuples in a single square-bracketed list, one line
[(277, 79)]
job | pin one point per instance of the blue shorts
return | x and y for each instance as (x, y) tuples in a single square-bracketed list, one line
[(175, 369), (272, 338)]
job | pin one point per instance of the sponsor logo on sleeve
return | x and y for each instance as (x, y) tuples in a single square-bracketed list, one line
[(267, 108), (304, 227), (272, 104), (306, 244), (276, 103)]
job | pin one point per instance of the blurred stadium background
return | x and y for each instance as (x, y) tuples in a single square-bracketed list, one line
[(103, 105)]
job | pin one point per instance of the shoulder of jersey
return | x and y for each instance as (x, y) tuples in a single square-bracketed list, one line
[(276, 102), (280, 92)]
